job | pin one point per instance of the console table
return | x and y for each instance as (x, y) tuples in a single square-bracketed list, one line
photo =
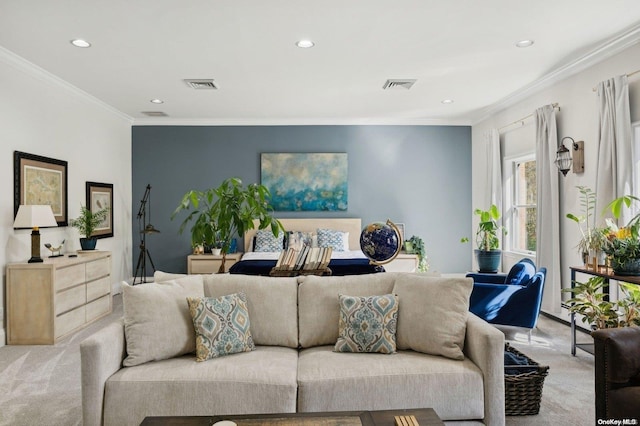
[(48, 301), (608, 275)]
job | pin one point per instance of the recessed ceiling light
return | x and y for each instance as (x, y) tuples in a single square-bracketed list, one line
[(156, 101), (305, 44), (524, 43), (447, 101), (80, 43)]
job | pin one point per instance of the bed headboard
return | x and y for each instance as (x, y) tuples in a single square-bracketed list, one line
[(351, 225)]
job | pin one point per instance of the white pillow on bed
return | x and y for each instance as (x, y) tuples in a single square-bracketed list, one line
[(337, 240)]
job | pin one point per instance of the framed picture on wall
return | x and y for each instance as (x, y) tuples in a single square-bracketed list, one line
[(401, 229), (100, 196), (40, 180)]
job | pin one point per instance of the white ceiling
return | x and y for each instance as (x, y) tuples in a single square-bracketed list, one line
[(456, 49)]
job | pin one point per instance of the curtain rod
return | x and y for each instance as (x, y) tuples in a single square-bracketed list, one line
[(521, 121), (595, 89)]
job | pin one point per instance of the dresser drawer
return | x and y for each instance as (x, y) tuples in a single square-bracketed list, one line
[(98, 308), (98, 288), (70, 321), (70, 298), (69, 276), (98, 268)]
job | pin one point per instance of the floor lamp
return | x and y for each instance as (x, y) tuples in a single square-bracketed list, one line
[(145, 227)]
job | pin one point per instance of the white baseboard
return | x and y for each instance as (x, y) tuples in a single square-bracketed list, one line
[(3, 337)]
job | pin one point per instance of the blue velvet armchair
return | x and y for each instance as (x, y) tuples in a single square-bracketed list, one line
[(509, 299)]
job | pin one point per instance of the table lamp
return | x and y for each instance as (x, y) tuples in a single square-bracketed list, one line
[(34, 217)]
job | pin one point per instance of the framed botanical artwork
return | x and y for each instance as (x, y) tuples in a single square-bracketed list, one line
[(40, 180), (100, 196)]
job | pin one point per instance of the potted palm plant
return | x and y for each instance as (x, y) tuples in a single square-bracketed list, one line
[(87, 223), (219, 214), (593, 239), (488, 253)]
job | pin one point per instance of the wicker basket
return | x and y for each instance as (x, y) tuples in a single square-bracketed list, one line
[(523, 391)]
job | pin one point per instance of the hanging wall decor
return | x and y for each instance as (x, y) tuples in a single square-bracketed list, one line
[(306, 182), (100, 196), (40, 180)]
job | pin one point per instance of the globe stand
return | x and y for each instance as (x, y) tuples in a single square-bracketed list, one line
[(376, 238)]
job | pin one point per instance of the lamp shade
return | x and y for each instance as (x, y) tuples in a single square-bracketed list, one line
[(34, 216)]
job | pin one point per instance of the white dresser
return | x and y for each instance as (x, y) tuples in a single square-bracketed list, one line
[(47, 301)]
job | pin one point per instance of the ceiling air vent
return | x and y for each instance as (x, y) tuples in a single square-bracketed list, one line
[(201, 84), (394, 83), (155, 113)]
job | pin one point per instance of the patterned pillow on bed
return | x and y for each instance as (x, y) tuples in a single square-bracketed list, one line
[(337, 240), (266, 241)]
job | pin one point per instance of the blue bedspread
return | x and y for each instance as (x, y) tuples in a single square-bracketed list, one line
[(338, 267)]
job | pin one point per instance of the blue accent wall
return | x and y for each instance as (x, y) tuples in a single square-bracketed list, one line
[(416, 175)]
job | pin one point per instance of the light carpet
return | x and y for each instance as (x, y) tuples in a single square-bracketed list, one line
[(40, 385)]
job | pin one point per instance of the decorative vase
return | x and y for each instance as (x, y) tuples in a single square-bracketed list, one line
[(488, 261), (216, 251), (88, 243), (625, 267)]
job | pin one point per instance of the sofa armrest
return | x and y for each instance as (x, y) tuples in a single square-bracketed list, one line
[(101, 355), (479, 277), (484, 345)]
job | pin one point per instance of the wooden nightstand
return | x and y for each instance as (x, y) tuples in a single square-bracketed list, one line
[(403, 262), (209, 263)]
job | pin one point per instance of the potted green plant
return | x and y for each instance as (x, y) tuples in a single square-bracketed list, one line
[(589, 301), (488, 253), (86, 224), (623, 243), (415, 245), (219, 214)]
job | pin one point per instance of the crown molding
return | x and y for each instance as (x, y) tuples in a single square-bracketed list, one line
[(601, 52), (21, 64), (335, 121)]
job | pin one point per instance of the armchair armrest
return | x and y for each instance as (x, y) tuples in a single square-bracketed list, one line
[(101, 355), (479, 277)]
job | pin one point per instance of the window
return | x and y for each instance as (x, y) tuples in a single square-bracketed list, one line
[(521, 204)]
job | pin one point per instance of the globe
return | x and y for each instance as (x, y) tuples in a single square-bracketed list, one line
[(380, 242)]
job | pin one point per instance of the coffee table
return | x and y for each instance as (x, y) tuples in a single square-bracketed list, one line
[(424, 416)]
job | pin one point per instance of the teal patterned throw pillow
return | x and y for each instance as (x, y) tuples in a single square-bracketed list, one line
[(337, 240), (267, 242), (367, 324), (222, 325)]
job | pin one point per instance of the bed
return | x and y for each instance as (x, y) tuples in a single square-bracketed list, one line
[(349, 261)]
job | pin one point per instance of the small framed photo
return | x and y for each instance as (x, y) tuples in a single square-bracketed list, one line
[(401, 229), (40, 180), (100, 196)]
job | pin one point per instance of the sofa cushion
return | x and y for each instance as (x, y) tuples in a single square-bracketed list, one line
[(272, 304), (433, 317), (261, 381), (222, 325), (157, 322), (367, 324), (319, 313), (335, 381)]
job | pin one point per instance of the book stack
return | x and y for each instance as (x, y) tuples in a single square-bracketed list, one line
[(307, 259)]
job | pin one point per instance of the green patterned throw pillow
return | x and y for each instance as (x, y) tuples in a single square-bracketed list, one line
[(222, 325), (367, 324)]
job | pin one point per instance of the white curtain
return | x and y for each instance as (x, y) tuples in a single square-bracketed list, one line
[(548, 207), (494, 169), (614, 175)]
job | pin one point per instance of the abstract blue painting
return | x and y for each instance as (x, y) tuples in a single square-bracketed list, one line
[(306, 182)]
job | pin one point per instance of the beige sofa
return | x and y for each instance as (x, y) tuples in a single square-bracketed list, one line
[(294, 322)]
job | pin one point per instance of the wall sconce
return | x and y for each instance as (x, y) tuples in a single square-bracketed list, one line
[(564, 160)]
